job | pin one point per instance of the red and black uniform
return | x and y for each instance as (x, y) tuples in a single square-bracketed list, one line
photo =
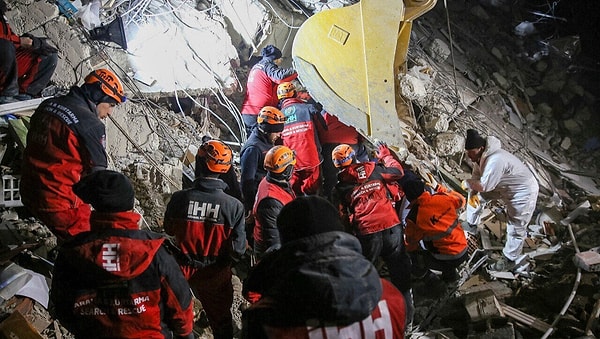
[(23, 70), (321, 286), (208, 226), (366, 202), (66, 140), (272, 195), (261, 88), (432, 224), (336, 133), (119, 282), (300, 135)]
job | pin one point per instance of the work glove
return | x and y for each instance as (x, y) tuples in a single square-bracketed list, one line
[(318, 107), (465, 185), (474, 200), (431, 182), (382, 149), (40, 45)]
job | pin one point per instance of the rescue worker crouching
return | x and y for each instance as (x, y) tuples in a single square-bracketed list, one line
[(434, 236), (208, 226), (66, 140)]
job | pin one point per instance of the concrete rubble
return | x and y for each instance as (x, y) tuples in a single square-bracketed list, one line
[(540, 99)]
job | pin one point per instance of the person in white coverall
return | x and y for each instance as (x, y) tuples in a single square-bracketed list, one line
[(499, 175)]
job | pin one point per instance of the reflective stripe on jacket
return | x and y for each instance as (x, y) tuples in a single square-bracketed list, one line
[(433, 219)]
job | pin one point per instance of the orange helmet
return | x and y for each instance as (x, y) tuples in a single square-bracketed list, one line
[(270, 115), (217, 156), (286, 90), (109, 83), (279, 158), (342, 155)]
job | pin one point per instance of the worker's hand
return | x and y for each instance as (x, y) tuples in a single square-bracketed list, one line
[(431, 182), (26, 42), (382, 149), (474, 200), (465, 185), (318, 107)]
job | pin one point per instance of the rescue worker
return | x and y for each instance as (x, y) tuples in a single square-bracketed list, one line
[(27, 63), (332, 135), (300, 134), (498, 174), (117, 281), (367, 206), (265, 135), (434, 236), (318, 284), (66, 140), (261, 88), (208, 226), (274, 192)]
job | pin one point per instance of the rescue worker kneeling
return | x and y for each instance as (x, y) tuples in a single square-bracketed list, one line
[(433, 232)]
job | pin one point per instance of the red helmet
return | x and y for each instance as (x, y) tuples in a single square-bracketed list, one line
[(286, 90), (342, 155), (217, 156), (109, 83), (278, 158)]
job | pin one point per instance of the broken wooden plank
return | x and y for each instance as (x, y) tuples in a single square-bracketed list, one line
[(486, 242), (525, 318), (16, 326)]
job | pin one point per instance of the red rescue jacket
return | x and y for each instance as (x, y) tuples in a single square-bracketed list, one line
[(364, 195), (261, 88), (270, 199), (299, 133), (206, 222), (119, 282), (65, 141)]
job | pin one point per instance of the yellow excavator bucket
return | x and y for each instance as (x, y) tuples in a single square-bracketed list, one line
[(349, 59)]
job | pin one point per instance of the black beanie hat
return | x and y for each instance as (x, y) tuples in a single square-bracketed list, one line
[(474, 140), (271, 52), (413, 189), (106, 191), (306, 216)]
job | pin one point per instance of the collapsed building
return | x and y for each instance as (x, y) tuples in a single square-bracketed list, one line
[(514, 72)]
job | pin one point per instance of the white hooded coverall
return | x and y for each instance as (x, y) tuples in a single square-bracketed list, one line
[(504, 177)]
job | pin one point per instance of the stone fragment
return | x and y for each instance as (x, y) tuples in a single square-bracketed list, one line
[(448, 144), (566, 143), (501, 80), (438, 50)]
